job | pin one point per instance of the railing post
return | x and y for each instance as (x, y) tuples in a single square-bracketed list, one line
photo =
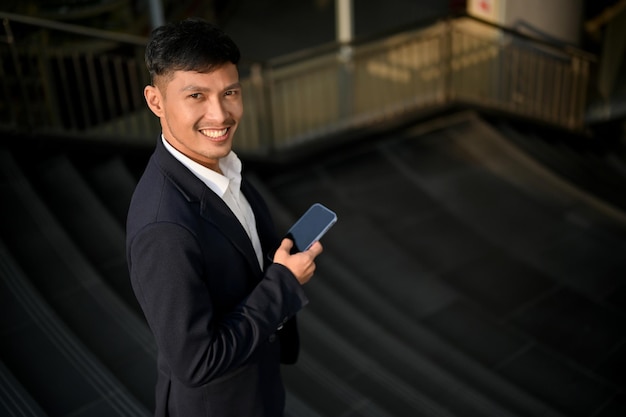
[(447, 57), (345, 82), (156, 13), (262, 108), (580, 76), (345, 33), (10, 40)]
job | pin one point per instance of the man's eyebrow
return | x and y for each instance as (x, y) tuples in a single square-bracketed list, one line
[(233, 86), (193, 87)]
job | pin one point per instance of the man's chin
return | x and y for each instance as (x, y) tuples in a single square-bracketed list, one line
[(219, 149)]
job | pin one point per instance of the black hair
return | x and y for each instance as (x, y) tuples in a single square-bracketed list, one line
[(189, 45)]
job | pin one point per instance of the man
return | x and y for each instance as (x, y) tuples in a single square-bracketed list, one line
[(199, 239)]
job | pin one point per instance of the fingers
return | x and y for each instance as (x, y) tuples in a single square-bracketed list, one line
[(286, 245), (301, 264), (315, 249), (282, 254)]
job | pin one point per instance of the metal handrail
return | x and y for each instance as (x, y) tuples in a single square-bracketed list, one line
[(92, 88), (456, 61), (66, 80), (74, 29)]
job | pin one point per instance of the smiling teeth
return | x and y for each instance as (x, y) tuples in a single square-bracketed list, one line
[(214, 133)]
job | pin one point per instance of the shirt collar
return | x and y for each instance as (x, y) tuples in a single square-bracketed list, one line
[(218, 183)]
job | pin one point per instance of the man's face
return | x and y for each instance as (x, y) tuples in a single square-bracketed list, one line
[(199, 112)]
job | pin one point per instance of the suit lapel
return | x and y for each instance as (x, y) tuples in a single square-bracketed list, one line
[(212, 207), (215, 210)]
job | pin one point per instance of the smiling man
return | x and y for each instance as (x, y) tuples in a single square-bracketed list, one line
[(199, 238)]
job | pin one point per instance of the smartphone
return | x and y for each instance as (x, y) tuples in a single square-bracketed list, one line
[(310, 228)]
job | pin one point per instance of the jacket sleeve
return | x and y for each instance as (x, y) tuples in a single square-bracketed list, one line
[(167, 270)]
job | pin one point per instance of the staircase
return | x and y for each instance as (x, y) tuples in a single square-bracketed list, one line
[(465, 277), (462, 278)]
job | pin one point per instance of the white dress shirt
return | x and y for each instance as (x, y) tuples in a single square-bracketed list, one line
[(228, 187)]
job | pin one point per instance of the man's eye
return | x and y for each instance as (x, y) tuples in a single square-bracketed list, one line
[(194, 95), (230, 93)]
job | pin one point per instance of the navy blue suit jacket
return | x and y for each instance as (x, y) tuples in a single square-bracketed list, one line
[(214, 312)]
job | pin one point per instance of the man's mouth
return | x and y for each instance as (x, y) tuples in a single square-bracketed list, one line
[(213, 133)]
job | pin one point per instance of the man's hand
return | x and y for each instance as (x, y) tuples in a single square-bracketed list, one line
[(301, 264)]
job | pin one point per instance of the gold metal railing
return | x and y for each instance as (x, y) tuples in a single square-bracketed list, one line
[(59, 79), (459, 61)]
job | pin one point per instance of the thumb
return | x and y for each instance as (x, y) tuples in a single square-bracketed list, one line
[(283, 252), (286, 245)]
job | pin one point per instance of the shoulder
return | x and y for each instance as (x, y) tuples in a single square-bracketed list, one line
[(159, 197)]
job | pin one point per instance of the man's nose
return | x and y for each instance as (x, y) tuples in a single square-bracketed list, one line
[(217, 111)]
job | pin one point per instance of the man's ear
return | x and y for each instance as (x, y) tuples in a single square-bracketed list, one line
[(154, 99)]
